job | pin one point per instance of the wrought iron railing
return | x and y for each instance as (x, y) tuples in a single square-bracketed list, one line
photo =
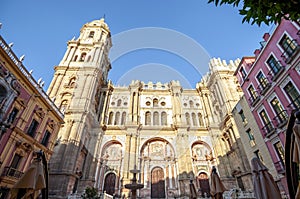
[(268, 129), (295, 104), (290, 50), (11, 172), (281, 119), (263, 88), (280, 167), (254, 100), (275, 71)]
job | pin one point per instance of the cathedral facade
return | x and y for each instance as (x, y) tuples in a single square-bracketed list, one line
[(171, 135)]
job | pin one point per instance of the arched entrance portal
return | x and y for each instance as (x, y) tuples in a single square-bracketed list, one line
[(109, 183), (204, 184), (157, 183)]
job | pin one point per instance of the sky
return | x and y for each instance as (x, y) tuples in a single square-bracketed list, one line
[(157, 40)]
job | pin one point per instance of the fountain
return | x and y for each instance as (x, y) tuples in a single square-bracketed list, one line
[(133, 186)]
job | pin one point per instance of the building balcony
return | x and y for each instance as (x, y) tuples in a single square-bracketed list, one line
[(264, 88), (276, 71), (281, 119), (11, 172), (280, 168), (295, 104), (268, 129), (253, 101), (290, 51)]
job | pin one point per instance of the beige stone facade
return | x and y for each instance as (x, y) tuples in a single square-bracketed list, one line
[(172, 135)]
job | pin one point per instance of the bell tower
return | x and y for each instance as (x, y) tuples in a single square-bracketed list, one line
[(75, 89)]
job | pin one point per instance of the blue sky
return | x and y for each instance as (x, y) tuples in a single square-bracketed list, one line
[(41, 29)]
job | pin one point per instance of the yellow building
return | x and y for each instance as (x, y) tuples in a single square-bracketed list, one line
[(172, 135)]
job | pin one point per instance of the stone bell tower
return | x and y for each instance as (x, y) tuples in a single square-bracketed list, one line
[(75, 89)]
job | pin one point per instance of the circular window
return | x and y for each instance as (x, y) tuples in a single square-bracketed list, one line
[(148, 103), (163, 103), (185, 104), (197, 104), (113, 103), (125, 103)]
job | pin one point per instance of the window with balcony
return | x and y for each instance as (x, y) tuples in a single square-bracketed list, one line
[(46, 138), (253, 95), (275, 67), (243, 73), (3, 94), (32, 128), (263, 82), (13, 115), (268, 128), (243, 117), (281, 115), (12, 170), (251, 138), (293, 95), (289, 46), (279, 165)]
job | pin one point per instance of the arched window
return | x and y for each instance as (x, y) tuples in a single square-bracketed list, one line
[(110, 118), (92, 33), (82, 57), (63, 106), (163, 118), (119, 102), (155, 118), (117, 118), (187, 117), (201, 123), (155, 102), (75, 58), (72, 81), (194, 119), (147, 118), (191, 104), (123, 120)]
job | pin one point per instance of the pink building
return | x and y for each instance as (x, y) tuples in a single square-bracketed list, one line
[(270, 81), (29, 120)]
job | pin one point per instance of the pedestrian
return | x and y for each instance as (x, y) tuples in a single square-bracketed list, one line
[(216, 186)]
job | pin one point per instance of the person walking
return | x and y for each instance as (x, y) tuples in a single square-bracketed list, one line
[(216, 186)]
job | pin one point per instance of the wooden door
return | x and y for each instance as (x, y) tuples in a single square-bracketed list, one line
[(204, 184), (109, 183), (157, 183)]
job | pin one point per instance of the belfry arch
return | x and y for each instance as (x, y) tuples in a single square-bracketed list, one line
[(158, 167)]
